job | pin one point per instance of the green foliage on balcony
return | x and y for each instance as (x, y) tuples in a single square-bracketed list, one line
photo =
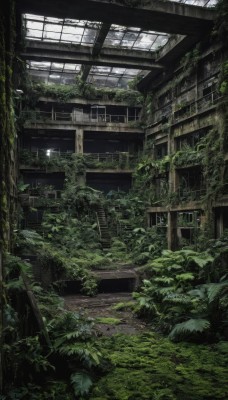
[(64, 93), (187, 156)]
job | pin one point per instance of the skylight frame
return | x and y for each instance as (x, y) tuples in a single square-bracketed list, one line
[(199, 3), (134, 38), (113, 76), (60, 30), (82, 32), (53, 72)]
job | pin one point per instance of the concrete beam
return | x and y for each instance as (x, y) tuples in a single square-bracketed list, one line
[(80, 100), (88, 127), (41, 51), (176, 46), (109, 171), (99, 41), (162, 16), (85, 71), (168, 55), (77, 49)]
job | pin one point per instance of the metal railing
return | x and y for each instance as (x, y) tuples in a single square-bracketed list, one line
[(49, 193), (45, 116), (34, 198), (190, 195), (108, 157), (28, 157), (48, 157), (179, 196), (51, 153), (196, 106), (189, 109)]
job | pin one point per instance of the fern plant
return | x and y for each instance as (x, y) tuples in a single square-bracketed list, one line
[(192, 326), (178, 290), (81, 383)]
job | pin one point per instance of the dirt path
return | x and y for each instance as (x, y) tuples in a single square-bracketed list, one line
[(101, 307)]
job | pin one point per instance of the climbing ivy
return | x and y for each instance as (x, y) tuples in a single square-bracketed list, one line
[(223, 81), (220, 31), (190, 59)]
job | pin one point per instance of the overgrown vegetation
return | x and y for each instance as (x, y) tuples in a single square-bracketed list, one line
[(56, 363), (7, 123), (81, 89), (182, 294), (185, 293), (224, 79), (78, 161), (148, 367)]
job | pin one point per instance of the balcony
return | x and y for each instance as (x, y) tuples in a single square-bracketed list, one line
[(40, 197), (184, 195), (44, 158), (76, 118), (118, 160), (195, 107), (183, 111)]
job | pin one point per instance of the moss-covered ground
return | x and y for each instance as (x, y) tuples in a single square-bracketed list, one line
[(150, 367)]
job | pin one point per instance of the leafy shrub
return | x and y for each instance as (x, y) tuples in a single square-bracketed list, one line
[(179, 296)]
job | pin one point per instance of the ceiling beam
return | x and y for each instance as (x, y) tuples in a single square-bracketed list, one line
[(77, 49), (85, 72), (161, 16), (78, 54), (99, 41), (168, 55)]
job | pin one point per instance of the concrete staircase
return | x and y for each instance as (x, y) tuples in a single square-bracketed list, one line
[(103, 228)]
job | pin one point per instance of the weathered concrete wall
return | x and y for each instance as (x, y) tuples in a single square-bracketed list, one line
[(7, 124)]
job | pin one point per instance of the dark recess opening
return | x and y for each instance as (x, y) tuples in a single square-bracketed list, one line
[(107, 182), (104, 286), (116, 285)]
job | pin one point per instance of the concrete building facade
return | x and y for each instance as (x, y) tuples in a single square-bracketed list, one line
[(179, 70)]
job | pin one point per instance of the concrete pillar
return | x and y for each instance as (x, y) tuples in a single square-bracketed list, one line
[(172, 230), (79, 137), (173, 174), (148, 219), (219, 224)]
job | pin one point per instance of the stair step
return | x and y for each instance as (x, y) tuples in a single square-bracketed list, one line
[(104, 230)]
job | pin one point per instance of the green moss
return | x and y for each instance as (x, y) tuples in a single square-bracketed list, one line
[(108, 320), (148, 367), (128, 305)]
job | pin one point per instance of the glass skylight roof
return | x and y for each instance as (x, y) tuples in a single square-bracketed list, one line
[(201, 3), (112, 76), (50, 29), (52, 72), (135, 38), (57, 30)]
